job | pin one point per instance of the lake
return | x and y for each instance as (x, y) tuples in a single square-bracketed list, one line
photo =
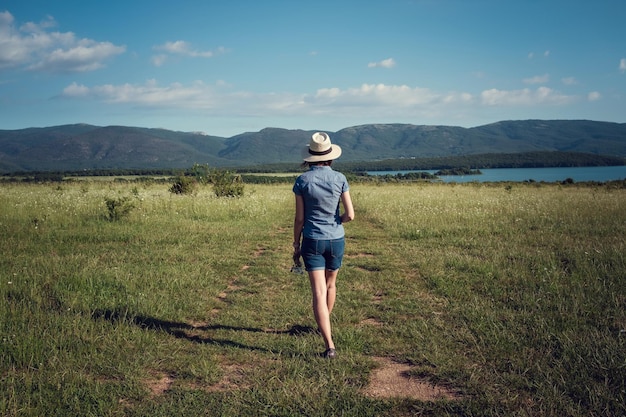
[(578, 174)]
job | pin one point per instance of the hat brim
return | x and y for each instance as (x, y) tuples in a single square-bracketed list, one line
[(335, 152)]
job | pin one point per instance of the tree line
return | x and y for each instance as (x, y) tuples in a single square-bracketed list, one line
[(443, 164)]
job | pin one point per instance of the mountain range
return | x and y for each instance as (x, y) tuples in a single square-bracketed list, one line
[(84, 147)]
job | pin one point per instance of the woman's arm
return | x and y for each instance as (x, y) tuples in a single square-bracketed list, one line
[(348, 210), (298, 222)]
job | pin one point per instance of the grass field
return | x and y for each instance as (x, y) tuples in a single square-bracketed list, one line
[(474, 300)]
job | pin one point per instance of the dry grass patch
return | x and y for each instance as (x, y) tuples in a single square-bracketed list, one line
[(234, 377), (231, 287), (371, 321), (159, 383), (391, 380), (378, 297)]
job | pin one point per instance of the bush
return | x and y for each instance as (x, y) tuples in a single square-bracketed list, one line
[(202, 173), (118, 207), (184, 185), (226, 184)]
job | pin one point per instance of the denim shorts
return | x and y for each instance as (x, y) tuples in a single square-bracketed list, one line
[(322, 254)]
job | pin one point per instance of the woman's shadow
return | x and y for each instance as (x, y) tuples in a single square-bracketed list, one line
[(190, 332)]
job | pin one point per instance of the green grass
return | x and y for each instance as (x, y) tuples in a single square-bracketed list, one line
[(514, 296)]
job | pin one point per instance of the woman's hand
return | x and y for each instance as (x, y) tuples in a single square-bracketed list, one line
[(297, 264)]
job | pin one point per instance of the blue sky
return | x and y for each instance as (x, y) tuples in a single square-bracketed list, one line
[(228, 67)]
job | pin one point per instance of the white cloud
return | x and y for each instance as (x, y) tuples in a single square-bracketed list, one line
[(34, 47), (150, 94), (546, 54), (524, 97), (372, 99), (385, 63), (181, 48), (369, 101), (159, 60), (88, 55), (75, 90), (594, 96), (622, 65), (538, 79), (569, 81), (384, 95)]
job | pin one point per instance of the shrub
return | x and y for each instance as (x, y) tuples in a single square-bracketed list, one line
[(226, 184), (184, 185), (118, 207), (202, 173)]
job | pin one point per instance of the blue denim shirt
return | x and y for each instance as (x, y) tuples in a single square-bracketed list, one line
[(321, 189)]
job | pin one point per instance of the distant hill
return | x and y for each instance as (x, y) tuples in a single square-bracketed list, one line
[(83, 147)]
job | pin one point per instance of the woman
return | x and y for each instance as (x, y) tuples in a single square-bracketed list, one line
[(320, 225)]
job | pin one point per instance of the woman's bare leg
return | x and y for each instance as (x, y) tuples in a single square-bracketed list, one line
[(321, 298), (331, 289)]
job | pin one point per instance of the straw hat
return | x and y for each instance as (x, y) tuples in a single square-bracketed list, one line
[(320, 149)]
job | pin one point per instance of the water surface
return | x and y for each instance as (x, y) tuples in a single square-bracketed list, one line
[(578, 174)]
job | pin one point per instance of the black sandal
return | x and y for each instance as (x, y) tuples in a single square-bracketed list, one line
[(330, 354)]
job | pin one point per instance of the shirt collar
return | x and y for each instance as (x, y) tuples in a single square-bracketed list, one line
[(319, 167)]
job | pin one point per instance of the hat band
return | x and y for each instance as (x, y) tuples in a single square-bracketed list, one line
[(326, 152)]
